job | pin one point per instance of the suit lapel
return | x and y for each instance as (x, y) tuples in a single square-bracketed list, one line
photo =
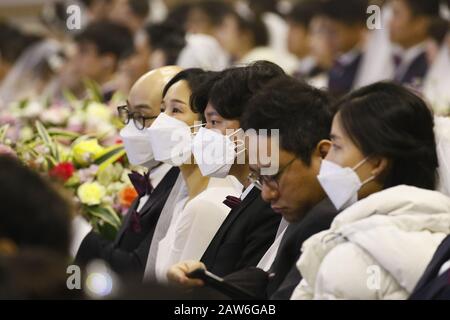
[(232, 216), (126, 221), (166, 183), (442, 255)]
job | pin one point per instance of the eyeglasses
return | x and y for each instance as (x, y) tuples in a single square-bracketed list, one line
[(139, 120), (271, 181)]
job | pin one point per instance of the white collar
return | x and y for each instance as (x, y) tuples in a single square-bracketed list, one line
[(228, 181), (409, 55), (247, 191), (306, 64), (158, 173)]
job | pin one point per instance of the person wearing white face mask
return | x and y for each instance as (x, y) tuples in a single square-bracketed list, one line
[(127, 254), (219, 149), (382, 168), (188, 229)]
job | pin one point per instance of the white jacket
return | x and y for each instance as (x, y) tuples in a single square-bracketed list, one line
[(376, 249)]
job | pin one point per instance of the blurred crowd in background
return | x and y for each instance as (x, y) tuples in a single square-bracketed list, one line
[(340, 45)]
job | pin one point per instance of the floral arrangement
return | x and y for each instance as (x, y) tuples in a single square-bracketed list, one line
[(75, 144)]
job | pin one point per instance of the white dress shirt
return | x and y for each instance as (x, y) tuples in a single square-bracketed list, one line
[(156, 176), (269, 257), (192, 230), (407, 57)]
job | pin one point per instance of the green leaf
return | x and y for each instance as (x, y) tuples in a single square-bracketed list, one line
[(60, 133), (106, 214), (93, 90), (48, 141), (3, 131)]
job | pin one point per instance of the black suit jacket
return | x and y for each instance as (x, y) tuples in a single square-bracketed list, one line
[(127, 254), (244, 236), (342, 77), (284, 274), (431, 286), (416, 71)]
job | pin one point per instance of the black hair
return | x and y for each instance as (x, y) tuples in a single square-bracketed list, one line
[(168, 37), (303, 12), (301, 113), (262, 6), (108, 37), (195, 77), (35, 274), (13, 42), (179, 14), (429, 8), (438, 29), (139, 7), (349, 12), (255, 26), (215, 10), (230, 90), (33, 213), (386, 119)]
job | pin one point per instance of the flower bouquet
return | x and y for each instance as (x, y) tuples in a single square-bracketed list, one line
[(92, 170)]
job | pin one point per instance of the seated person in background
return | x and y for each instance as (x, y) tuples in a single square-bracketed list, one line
[(384, 152), (251, 226), (204, 16), (246, 39), (196, 219), (299, 38), (155, 46), (346, 22), (98, 52), (130, 13), (409, 30), (303, 117), (127, 254)]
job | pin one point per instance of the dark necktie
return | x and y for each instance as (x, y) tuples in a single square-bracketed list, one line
[(143, 187), (141, 183), (232, 202)]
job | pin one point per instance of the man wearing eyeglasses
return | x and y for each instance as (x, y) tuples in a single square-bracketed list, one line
[(303, 117), (127, 254)]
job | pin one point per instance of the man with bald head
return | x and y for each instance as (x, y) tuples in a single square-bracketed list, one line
[(127, 254)]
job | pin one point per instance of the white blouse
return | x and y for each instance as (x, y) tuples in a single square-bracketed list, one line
[(192, 230)]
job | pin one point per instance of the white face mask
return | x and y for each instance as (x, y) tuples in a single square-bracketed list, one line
[(214, 152), (171, 140), (137, 146), (341, 184)]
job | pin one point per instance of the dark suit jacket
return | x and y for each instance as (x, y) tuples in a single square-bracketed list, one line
[(342, 77), (416, 71), (127, 254), (244, 236), (284, 275), (431, 286)]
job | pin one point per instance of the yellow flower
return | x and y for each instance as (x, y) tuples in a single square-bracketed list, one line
[(91, 194), (85, 151), (98, 112)]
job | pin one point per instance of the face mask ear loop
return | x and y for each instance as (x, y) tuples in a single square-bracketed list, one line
[(202, 125), (358, 166), (235, 132), (360, 163)]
